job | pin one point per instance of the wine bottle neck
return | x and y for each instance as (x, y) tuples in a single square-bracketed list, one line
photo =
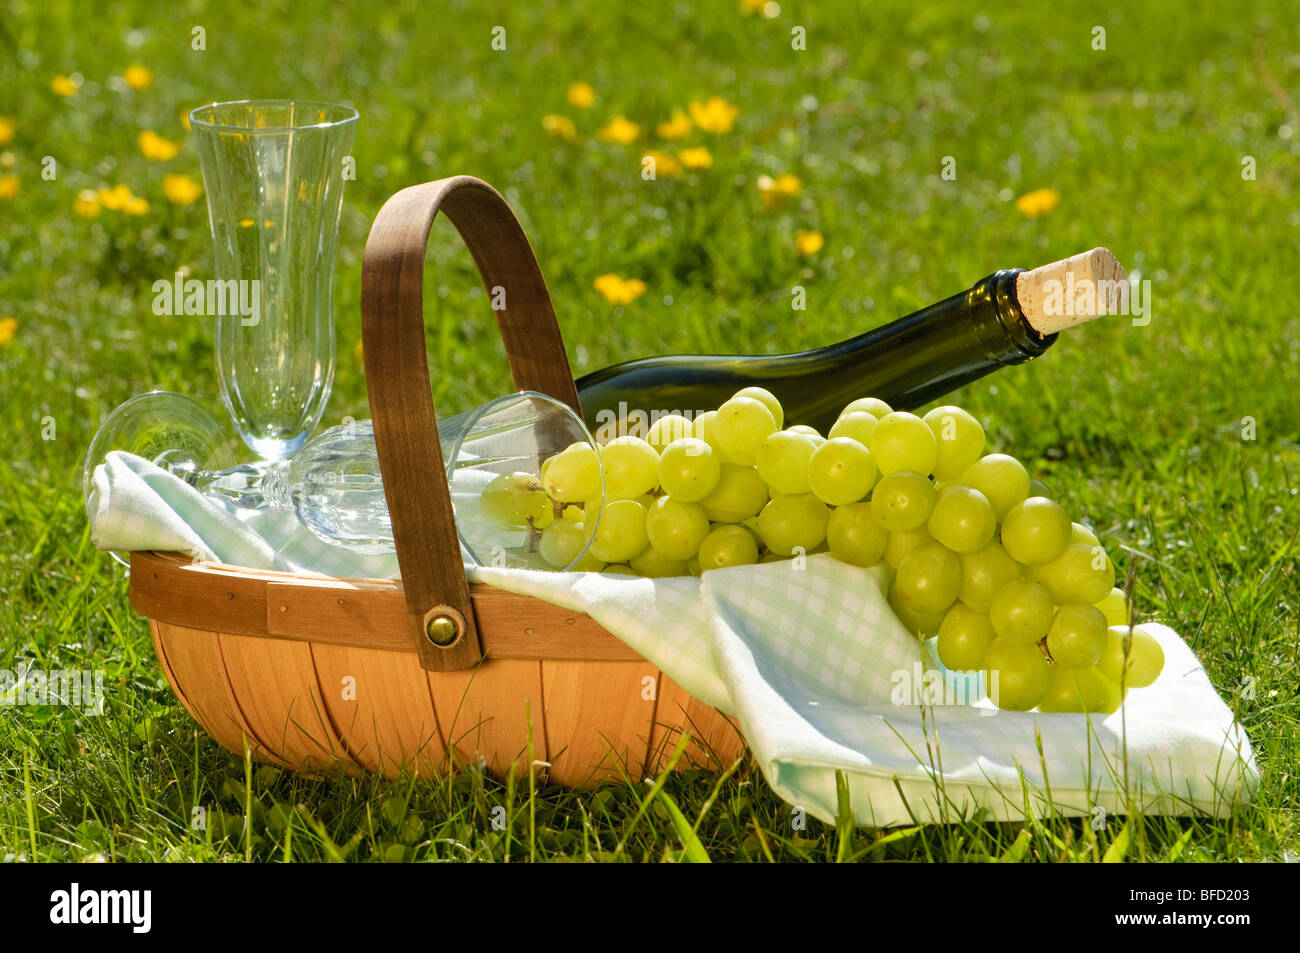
[(997, 320)]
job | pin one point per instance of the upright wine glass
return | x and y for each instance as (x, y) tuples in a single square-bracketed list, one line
[(274, 171)]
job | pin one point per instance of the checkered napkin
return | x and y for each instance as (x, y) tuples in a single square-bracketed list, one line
[(820, 675)]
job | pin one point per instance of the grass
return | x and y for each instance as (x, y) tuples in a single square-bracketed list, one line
[(1144, 431)]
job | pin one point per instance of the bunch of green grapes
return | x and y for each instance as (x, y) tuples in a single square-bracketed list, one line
[(975, 551)]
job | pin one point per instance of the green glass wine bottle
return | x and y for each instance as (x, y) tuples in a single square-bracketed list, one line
[(1010, 317)]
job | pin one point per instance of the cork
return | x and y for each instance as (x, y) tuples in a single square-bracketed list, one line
[(1072, 291)]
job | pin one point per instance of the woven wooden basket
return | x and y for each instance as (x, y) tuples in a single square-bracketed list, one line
[(417, 676)]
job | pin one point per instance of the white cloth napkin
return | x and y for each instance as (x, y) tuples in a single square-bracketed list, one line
[(810, 660)]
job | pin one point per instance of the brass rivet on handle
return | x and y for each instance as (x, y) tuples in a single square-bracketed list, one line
[(443, 626)]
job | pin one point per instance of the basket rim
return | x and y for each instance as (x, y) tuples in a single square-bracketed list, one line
[(360, 612)]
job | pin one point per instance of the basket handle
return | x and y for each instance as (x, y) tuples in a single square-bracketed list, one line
[(401, 398)]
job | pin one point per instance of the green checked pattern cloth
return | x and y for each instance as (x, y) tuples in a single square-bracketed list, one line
[(820, 675)]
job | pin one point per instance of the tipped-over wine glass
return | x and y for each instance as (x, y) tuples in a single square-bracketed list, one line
[(333, 483)]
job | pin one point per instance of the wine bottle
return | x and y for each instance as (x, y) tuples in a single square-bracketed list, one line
[(1010, 317)]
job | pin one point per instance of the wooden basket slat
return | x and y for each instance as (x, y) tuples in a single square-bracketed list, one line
[(389, 725), (484, 713), (598, 719), (276, 686), (194, 660), (716, 741)]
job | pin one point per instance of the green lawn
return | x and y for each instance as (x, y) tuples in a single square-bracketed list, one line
[(1138, 429)]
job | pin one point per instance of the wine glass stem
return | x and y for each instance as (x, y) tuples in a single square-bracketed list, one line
[(248, 485)]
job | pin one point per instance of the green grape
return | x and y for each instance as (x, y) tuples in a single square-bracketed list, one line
[(903, 441), (855, 535), (1079, 691), (1082, 573), (809, 432), (964, 638), (1001, 478), (962, 519), (918, 623), (631, 468), (903, 541), (928, 579), (666, 429), (782, 461), (561, 542), (741, 426), (619, 569), (1082, 534), (1036, 530), (793, 521), (767, 399), (1038, 488), (514, 500), (1114, 606), (574, 475), (1077, 636), (841, 471), (960, 440), (1098, 694), (857, 425), (621, 532), (654, 565), (693, 567), (1063, 693), (588, 563), (983, 573), (1019, 676), (676, 528), (728, 545), (1145, 657), (1021, 611), (689, 470), (704, 427), (740, 494), (868, 405), (903, 500)]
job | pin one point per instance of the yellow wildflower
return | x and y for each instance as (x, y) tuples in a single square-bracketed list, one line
[(618, 290), (697, 158), (86, 203), (137, 206), (8, 186), (157, 148), (581, 95), (809, 243), (116, 198), (775, 191), (64, 85), (560, 126), (138, 77), (1039, 202), (6, 129), (185, 118), (181, 189), (8, 328), (620, 130), (750, 7), (664, 164), (675, 128), (714, 115)]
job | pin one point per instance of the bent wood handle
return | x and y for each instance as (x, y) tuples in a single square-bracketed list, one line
[(401, 398)]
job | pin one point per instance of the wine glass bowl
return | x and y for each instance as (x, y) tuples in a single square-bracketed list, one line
[(172, 430), (273, 172)]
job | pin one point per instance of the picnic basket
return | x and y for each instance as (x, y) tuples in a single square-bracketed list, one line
[(414, 676)]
